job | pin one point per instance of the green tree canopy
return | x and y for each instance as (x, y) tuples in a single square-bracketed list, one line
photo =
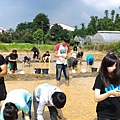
[(38, 36), (41, 21)]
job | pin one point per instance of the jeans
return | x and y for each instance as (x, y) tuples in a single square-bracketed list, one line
[(29, 105), (52, 110), (35, 106), (59, 68)]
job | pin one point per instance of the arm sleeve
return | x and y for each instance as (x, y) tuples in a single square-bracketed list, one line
[(40, 109), (25, 109), (57, 47), (98, 83)]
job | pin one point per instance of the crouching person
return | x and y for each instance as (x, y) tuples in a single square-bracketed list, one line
[(53, 97), (72, 63), (17, 100)]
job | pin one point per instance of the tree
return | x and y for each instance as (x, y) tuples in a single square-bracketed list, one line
[(11, 31), (56, 32), (93, 25), (112, 15), (28, 37), (106, 13), (38, 36), (41, 21), (47, 37), (21, 29), (117, 22)]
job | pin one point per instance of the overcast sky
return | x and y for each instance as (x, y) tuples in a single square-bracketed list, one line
[(70, 12)]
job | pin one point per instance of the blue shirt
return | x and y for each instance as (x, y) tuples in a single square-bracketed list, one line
[(20, 98), (90, 59)]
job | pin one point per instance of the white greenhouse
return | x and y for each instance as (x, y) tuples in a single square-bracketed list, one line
[(79, 40), (106, 37), (88, 39)]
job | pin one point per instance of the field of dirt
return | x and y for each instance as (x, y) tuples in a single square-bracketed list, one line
[(80, 103)]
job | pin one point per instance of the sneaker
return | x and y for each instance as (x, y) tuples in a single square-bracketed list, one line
[(73, 71)]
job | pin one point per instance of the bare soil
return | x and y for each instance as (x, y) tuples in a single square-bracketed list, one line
[(80, 103)]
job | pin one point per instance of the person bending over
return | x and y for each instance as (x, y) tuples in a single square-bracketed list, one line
[(46, 57), (17, 100), (27, 60), (51, 96)]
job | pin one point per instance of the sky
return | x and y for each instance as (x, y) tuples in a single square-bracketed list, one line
[(69, 12)]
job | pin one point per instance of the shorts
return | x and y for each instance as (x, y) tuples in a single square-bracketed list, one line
[(35, 56), (12, 66)]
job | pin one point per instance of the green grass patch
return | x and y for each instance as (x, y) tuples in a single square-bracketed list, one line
[(24, 47)]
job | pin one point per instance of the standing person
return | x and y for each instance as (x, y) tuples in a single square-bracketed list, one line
[(13, 57), (16, 100), (51, 96), (3, 71), (107, 88), (36, 53), (61, 52)]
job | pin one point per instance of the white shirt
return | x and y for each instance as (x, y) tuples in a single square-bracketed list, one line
[(62, 51), (43, 94)]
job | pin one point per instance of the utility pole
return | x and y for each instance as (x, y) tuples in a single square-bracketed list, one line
[(42, 31)]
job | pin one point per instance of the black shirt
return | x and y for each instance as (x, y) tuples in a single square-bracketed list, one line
[(44, 55), (2, 60), (110, 107), (13, 57)]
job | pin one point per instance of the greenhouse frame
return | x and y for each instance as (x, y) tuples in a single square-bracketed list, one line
[(102, 37)]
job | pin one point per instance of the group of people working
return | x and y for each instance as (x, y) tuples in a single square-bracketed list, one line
[(106, 90), (43, 95), (12, 58), (21, 99), (107, 83), (45, 56)]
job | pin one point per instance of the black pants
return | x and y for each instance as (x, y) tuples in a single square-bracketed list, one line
[(103, 118), (52, 110)]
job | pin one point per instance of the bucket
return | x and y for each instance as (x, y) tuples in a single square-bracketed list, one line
[(94, 69), (45, 71), (37, 71)]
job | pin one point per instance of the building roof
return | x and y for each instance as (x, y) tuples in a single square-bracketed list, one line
[(64, 26), (2, 29)]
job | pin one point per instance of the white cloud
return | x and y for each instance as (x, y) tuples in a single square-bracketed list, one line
[(71, 12), (102, 4)]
